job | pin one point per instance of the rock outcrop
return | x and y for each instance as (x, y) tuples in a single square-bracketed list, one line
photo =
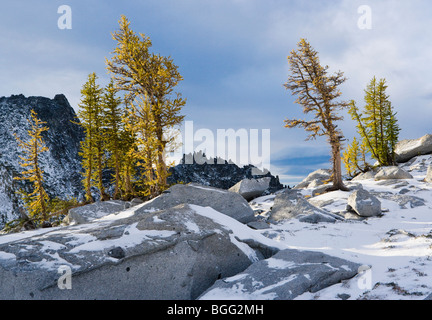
[(364, 204), (291, 204), (410, 148), (227, 202), (93, 211), (388, 173), (285, 276), (216, 172), (175, 253), (365, 176), (314, 179), (251, 188), (428, 177)]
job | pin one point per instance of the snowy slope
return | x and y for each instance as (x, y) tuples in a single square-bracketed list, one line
[(397, 246)]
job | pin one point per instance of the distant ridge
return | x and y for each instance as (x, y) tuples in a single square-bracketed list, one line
[(216, 172)]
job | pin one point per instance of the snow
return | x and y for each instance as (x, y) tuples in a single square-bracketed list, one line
[(157, 219), (192, 226), (279, 263), (50, 245), (397, 246), (23, 235), (208, 189), (7, 255), (238, 292), (239, 231), (263, 203), (395, 249), (80, 238), (123, 214), (132, 236), (55, 262)]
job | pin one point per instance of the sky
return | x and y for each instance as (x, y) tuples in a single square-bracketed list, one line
[(232, 55)]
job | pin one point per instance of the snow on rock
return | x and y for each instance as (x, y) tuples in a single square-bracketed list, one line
[(251, 188), (364, 204), (394, 172), (175, 253), (190, 238), (291, 204), (395, 248), (429, 174), (315, 179), (410, 148), (94, 211), (286, 275), (227, 202)]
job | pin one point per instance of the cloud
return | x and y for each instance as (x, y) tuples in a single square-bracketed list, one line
[(232, 55), (396, 48), (46, 66)]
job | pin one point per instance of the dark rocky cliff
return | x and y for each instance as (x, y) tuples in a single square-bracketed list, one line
[(216, 173)]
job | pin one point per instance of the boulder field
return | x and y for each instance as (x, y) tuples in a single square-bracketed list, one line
[(161, 249)]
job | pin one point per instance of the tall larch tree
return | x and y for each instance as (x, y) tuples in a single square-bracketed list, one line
[(154, 78), (377, 124), (318, 93), (128, 169), (140, 124), (112, 115), (92, 148), (37, 201)]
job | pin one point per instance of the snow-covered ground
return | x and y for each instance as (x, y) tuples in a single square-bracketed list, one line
[(395, 249)]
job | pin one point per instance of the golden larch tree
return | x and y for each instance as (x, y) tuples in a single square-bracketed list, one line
[(36, 201), (318, 93), (93, 145), (152, 78)]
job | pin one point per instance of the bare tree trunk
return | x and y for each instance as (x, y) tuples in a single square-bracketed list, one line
[(161, 166), (337, 166)]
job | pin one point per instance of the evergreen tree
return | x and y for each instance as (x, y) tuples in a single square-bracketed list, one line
[(354, 158), (317, 92), (100, 151), (36, 202), (153, 78), (141, 126), (128, 166), (92, 147), (112, 116), (392, 130), (377, 125), (350, 158)]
